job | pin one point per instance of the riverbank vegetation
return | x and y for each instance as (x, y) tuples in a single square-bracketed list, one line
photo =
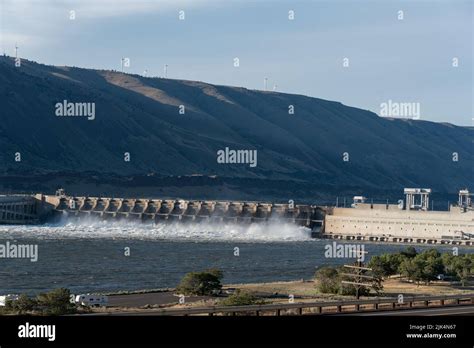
[(55, 302), (424, 267), (242, 298), (330, 280), (407, 265)]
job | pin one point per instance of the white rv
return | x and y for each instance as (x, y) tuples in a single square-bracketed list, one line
[(4, 298), (92, 300)]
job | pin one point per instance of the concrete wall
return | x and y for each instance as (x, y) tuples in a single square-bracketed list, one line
[(400, 223), (18, 210)]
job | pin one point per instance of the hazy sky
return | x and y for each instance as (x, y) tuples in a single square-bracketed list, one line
[(409, 60)]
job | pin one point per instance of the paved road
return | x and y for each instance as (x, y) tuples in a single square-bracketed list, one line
[(166, 297), (433, 311), (156, 298)]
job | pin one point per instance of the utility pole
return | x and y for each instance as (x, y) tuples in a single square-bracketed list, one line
[(358, 277)]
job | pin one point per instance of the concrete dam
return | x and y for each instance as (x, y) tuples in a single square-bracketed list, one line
[(50, 207), (406, 222), (20, 209)]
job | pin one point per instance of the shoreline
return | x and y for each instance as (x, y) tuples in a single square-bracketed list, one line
[(300, 291)]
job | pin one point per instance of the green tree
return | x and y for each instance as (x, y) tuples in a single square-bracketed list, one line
[(433, 253), (462, 266), (56, 302), (408, 268), (422, 268), (386, 264), (409, 252), (200, 283), (448, 261)]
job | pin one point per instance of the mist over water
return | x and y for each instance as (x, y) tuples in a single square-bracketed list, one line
[(274, 231)]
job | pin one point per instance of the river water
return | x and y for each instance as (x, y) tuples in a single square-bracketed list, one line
[(92, 256)]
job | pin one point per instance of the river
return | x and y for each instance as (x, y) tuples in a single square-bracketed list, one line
[(104, 256)]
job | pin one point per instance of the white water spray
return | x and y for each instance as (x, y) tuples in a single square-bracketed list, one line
[(274, 231)]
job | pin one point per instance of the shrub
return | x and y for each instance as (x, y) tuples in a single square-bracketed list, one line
[(56, 302), (351, 290), (22, 305), (200, 283), (328, 280), (241, 298)]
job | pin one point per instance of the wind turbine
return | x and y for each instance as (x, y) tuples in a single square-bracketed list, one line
[(16, 50), (265, 79), (166, 71)]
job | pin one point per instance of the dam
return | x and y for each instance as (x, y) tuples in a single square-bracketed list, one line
[(405, 222), (176, 210), (409, 221), (19, 209)]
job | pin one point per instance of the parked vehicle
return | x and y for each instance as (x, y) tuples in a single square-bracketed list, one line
[(445, 277), (92, 300), (4, 298)]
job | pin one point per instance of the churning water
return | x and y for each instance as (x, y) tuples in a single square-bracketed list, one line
[(91, 256), (92, 229)]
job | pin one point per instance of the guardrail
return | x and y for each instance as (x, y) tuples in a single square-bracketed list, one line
[(313, 308)]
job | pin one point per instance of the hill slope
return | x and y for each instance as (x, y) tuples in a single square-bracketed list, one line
[(141, 116)]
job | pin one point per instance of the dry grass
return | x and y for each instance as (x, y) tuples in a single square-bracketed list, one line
[(392, 287), (306, 291)]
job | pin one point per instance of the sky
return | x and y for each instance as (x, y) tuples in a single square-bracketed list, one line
[(361, 53)]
